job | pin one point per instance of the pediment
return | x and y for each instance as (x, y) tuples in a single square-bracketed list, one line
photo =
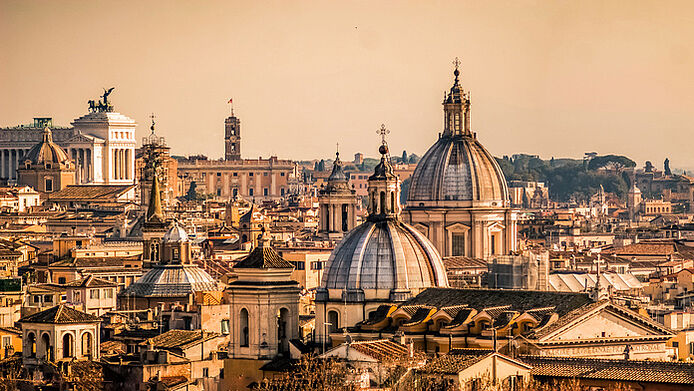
[(83, 139), (496, 226), (457, 227), (606, 322)]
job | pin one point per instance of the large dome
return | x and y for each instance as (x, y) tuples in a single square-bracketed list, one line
[(384, 255), (458, 168)]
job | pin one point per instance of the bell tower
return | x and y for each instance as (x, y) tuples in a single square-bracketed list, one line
[(232, 137)]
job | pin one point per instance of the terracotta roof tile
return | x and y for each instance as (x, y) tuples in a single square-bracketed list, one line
[(60, 314), (610, 369), (179, 338), (380, 349)]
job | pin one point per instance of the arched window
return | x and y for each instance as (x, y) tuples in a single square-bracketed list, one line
[(282, 336), (392, 201), (243, 328), (87, 345), (46, 350), (154, 252), (31, 343), (383, 202), (345, 218), (333, 321), (68, 347), (244, 238), (374, 207)]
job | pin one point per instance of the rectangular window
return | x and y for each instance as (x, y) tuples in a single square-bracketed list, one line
[(49, 185), (457, 244), (108, 293), (316, 265), (205, 372), (225, 326), (47, 299), (266, 191), (265, 174), (76, 297), (250, 191), (94, 294), (250, 174), (6, 341), (61, 280), (282, 191), (300, 265), (219, 174), (281, 174), (37, 299), (236, 174)]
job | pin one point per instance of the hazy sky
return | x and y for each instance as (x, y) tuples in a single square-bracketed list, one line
[(555, 78)]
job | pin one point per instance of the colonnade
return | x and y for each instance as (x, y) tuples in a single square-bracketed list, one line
[(82, 157), (121, 163), (10, 161)]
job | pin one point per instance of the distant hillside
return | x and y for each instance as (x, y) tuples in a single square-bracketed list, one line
[(571, 179)]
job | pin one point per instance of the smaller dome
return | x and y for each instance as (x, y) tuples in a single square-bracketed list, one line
[(172, 281), (47, 152), (175, 234)]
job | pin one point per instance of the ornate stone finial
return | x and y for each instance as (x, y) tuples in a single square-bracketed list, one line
[(337, 151), (152, 126)]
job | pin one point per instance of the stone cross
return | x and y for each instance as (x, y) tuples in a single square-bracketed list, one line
[(383, 132)]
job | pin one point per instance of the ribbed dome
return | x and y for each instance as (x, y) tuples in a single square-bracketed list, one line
[(386, 254), (172, 280), (458, 168), (175, 234), (47, 152)]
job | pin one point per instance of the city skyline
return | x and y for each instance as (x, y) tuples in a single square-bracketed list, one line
[(548, 79)]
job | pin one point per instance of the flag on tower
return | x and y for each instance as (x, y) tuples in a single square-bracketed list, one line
[(230, 100)]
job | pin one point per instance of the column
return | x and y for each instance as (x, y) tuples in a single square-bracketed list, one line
[(90, 166), (122, 164), (115, 163), (128, 164), (13, 163)]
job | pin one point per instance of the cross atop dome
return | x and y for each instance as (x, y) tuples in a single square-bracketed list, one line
[(383, 131), (456, 72)]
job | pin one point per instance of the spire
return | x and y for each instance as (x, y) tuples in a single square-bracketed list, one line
[(154, 212)]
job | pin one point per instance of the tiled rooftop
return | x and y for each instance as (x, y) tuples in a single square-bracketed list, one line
[(60, 314), (609, 369)]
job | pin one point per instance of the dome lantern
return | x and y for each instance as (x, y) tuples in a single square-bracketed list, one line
[(384, 186)]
